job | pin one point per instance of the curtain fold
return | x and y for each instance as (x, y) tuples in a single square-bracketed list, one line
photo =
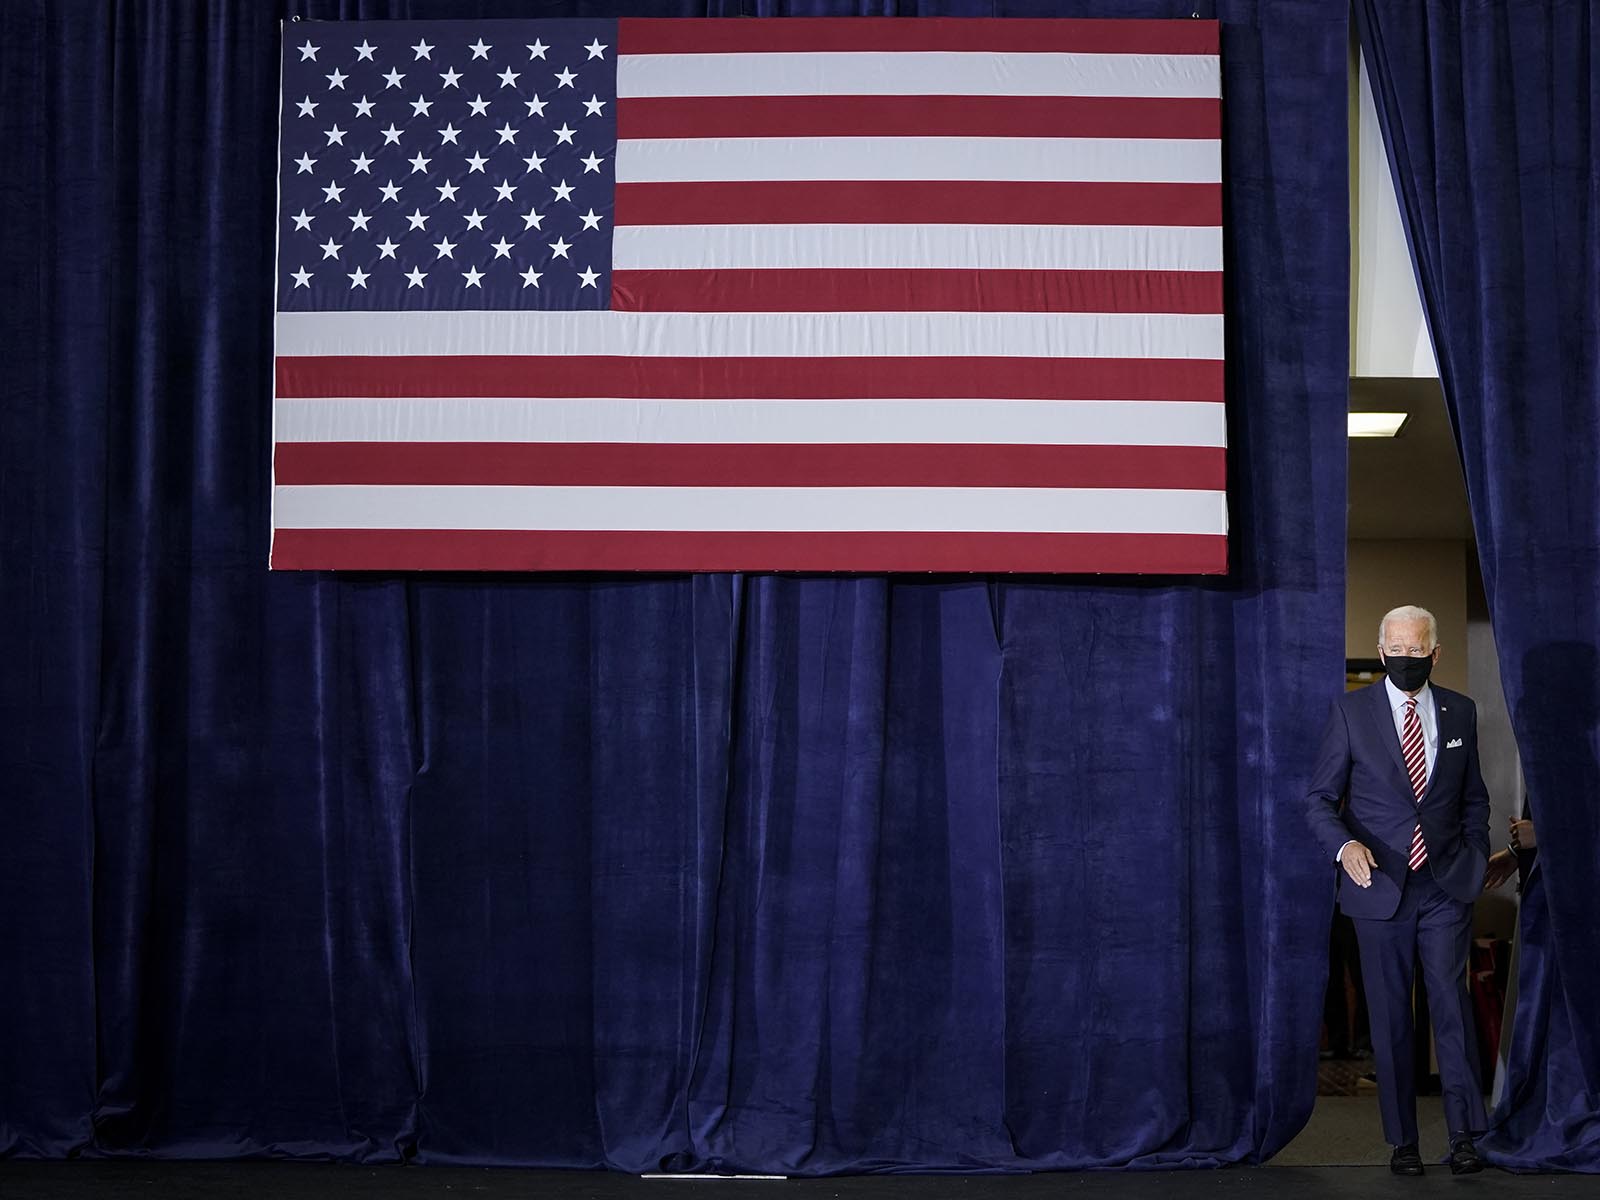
[(1490, 115), (800, 874)]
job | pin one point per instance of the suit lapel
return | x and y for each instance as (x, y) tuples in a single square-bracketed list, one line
[(1444, 720), (1383, 720)]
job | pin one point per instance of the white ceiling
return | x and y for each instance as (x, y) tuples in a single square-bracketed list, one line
[(1409, 486)]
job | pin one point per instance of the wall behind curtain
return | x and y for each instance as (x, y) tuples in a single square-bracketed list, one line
[(1491, 115), (796, 874)]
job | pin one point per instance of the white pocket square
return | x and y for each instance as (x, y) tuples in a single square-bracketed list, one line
[(1453, 744)]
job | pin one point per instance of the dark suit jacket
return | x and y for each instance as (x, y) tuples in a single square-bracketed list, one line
[(1360, 765)]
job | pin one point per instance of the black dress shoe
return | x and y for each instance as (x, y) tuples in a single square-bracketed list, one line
[(1464, 1156), (1405, 1160)]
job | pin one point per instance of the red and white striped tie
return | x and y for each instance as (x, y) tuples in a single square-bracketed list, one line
[(1417, 767)]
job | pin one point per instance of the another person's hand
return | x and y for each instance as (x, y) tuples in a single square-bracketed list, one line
[(1358, 863), (1522, 835), (1502, 866)]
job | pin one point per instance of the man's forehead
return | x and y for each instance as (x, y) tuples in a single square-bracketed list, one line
[(1401, 629)]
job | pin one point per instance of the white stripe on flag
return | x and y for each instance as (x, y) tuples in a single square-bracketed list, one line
[(917, 73), (731, 422), (997, 159), (762, 335), (909, 247), (1017, 510)]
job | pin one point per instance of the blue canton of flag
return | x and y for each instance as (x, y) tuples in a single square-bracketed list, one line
[(442, 165)]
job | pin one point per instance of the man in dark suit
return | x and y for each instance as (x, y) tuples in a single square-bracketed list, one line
[(1398, 799)]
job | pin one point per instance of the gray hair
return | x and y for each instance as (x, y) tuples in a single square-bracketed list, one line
[(1410, 612)]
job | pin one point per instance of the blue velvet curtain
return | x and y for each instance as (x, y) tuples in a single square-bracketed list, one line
[(798, 874), (1491, 116)]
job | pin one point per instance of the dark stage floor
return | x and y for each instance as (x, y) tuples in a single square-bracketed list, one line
[(318, 1181)]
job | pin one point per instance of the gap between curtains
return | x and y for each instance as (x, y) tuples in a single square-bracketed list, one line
[(1489, 115)]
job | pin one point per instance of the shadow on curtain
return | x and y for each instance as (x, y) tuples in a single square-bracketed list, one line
[(1490, 114), (772, 873)]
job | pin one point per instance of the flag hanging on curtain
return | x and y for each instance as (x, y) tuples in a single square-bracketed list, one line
[(787, 294)]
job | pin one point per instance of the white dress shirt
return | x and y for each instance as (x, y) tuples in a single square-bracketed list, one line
[(1425, 714)]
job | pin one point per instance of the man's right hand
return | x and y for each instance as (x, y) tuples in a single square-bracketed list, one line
[(1358, 863), (1502, 866)]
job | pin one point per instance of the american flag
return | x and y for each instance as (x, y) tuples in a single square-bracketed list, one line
[(787, 294)]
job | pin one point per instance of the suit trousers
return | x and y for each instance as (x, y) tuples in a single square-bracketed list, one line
[(1433, 930)]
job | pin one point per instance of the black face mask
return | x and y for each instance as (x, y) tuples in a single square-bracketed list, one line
[(1408, 674)]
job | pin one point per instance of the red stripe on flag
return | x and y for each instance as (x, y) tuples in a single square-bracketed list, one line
[(919, 116), (753, 378), (567, 550), (651, 464), (918, 202), (680, 35), (929, 290)]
